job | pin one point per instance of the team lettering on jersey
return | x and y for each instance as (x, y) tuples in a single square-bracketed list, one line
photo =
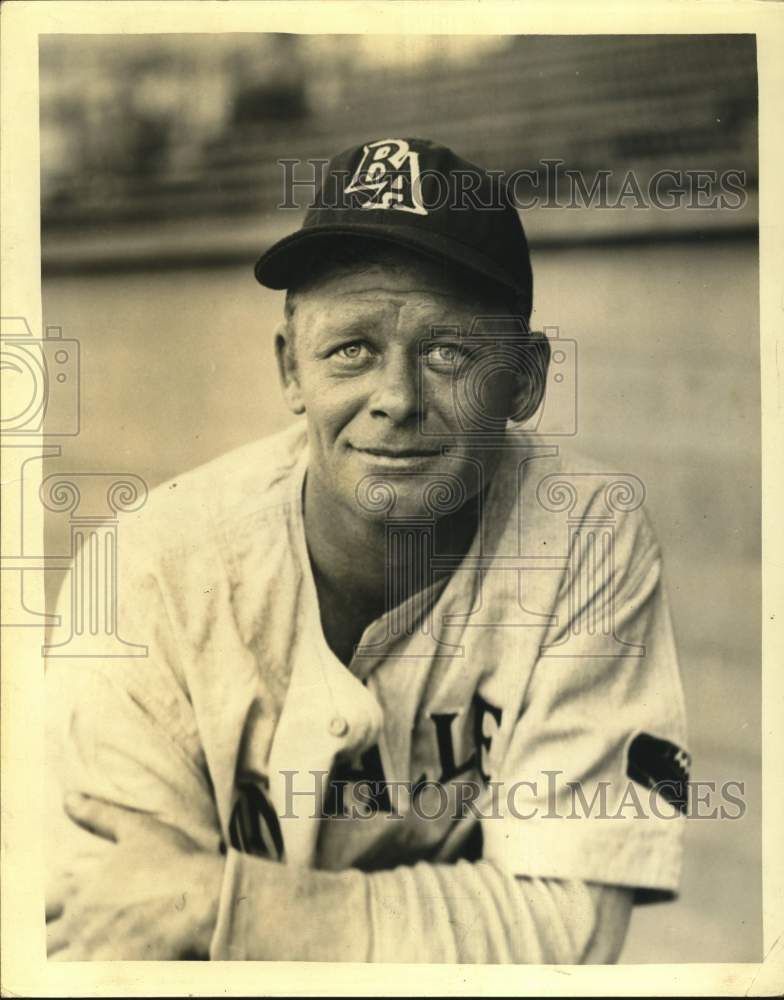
[(255, 828)]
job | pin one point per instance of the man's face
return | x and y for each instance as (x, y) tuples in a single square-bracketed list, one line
[(380, 405)]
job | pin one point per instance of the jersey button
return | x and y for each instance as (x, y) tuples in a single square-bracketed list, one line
[(338, 726)]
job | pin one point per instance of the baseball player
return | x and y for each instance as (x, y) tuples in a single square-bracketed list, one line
[(410, 692)]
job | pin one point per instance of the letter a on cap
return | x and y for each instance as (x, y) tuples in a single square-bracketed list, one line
[(389, 174)]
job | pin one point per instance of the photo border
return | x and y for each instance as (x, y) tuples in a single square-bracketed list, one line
[(25, 970)]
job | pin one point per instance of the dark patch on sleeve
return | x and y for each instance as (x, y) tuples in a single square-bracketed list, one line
[(661, 765)]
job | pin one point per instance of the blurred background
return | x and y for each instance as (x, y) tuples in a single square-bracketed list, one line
[(159, 187)]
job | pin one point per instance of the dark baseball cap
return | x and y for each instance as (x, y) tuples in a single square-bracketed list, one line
[(416, 194)]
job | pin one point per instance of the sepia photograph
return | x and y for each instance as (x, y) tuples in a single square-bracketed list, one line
[(383, 496)]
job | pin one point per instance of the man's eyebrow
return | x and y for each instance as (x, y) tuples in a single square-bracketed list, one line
[(352, 326), (446, 330)]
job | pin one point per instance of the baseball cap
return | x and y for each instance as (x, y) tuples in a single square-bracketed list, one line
[(416, 194)]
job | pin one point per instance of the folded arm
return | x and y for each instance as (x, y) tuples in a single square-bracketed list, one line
[(469, 912), (157, 894)]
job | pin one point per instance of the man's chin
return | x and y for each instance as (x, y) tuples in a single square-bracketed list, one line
[(415, 494)]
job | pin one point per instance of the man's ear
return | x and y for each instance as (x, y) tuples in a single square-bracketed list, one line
[(532, 376), (287, 368)]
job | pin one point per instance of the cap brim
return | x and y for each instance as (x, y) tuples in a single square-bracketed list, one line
[(278, 266)]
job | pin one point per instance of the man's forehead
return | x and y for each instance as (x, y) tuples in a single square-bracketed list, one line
[(378, 307), (377, 289), (379, 296)]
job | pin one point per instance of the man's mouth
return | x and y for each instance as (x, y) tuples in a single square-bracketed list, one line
[(399, 452), (388, 457)]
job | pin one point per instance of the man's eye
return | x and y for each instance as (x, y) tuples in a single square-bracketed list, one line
[(444, 357), (351, 354)]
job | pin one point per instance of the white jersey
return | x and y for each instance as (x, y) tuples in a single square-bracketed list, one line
[(488, 716)]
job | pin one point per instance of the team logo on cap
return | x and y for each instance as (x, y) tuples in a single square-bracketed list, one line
[(389, 175)]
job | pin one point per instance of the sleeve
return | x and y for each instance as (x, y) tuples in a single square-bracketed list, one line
[(593, 782), (122, 729), (469, 912)]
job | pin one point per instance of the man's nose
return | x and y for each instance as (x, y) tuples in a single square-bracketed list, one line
[(397, 392)]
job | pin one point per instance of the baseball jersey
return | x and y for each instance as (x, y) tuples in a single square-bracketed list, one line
[(525, 707)]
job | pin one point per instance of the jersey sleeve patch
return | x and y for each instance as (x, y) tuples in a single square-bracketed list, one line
[(659, 764)]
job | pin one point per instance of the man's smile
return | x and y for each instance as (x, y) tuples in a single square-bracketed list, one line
[(395, 457), (386, 452)]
